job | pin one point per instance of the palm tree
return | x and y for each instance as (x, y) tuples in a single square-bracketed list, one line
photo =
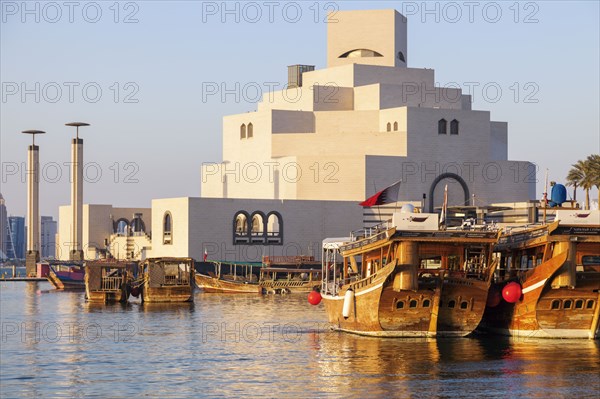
[(593, 162), (582, 175)]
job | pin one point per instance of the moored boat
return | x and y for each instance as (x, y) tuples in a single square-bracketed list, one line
[(407, 278), (66, 276), (555, 270), (228, 277), (108, 281), (167, 280), (278, 280)]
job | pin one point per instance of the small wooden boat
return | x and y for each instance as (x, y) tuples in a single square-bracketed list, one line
[(65, 276), (557, 269), (228, 277), (167, 280), (108, 281), (407, 278), (277, 280)]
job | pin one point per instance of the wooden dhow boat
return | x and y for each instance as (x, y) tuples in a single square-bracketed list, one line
[(552, 271), (407, 278), (66, 276), (228, 277), (108, 281), (167, 280)]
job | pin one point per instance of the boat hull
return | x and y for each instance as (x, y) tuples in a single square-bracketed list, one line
[(214, 284), (168, 294), (62, 281)]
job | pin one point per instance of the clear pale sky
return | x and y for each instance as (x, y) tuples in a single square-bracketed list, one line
[(152, 129)]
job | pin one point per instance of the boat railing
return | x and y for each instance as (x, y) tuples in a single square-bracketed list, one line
[(370, 231), (110, 283)]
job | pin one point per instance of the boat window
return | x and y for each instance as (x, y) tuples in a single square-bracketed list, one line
[(567, 304), (556, 304), (426, 303), (464, 305), (452, 303), (579, 304), (590, 260), (413, 303), (243, 131), (589, 304), (400, 305), (431, 262)]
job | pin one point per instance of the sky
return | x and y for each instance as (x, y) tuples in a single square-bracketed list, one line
[(144, 73)]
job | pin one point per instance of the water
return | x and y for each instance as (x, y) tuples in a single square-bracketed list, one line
[(54, 344)]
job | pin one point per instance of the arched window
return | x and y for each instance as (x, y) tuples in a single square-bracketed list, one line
[(122, 227), (442, 126), (413, 303), (395, 126), (579, 304), (274, 228), (400, 305), (567, 304), (464, 305), (360, 53), (258, 227), (167, 228), (250, 130), (243, 131), (556, 304), (389, 127), (138, 227), (240, 228), (426, 303), (452, 303), (454, 127)]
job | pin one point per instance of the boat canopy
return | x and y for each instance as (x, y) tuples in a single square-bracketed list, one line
[(335, 242)]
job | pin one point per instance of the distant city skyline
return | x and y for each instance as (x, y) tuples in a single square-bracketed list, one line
[(154, 83)]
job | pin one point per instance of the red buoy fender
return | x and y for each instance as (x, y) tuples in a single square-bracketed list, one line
[(512, 292)]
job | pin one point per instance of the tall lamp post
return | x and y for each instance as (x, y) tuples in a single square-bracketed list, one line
[(33, 205), (76, 252)]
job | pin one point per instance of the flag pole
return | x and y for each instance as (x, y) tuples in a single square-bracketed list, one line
[(378, 210)]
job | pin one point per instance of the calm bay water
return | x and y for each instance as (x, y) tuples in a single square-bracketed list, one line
[(54, 344)]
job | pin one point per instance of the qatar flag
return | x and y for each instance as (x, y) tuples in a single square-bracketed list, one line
[(386, 196)]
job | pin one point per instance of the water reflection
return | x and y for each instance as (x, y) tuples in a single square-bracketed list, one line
[(232, 346)]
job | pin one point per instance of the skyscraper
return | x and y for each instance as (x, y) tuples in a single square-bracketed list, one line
[(4, 236), (17, 233), (48, 237)]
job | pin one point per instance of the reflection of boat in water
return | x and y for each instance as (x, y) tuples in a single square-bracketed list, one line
[(557, 267), (167, 280), (276, 280), (108, 281), (408, 279), (66, 276), (276, 274), (228, 277)]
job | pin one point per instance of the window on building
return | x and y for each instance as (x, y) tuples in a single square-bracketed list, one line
[(454, 127), (395, 126), (243, 131), (442, 126), (389, 127), (122, 228), (360, 53), (250, 130), (167, 228), (401, 56), (274, 228)]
